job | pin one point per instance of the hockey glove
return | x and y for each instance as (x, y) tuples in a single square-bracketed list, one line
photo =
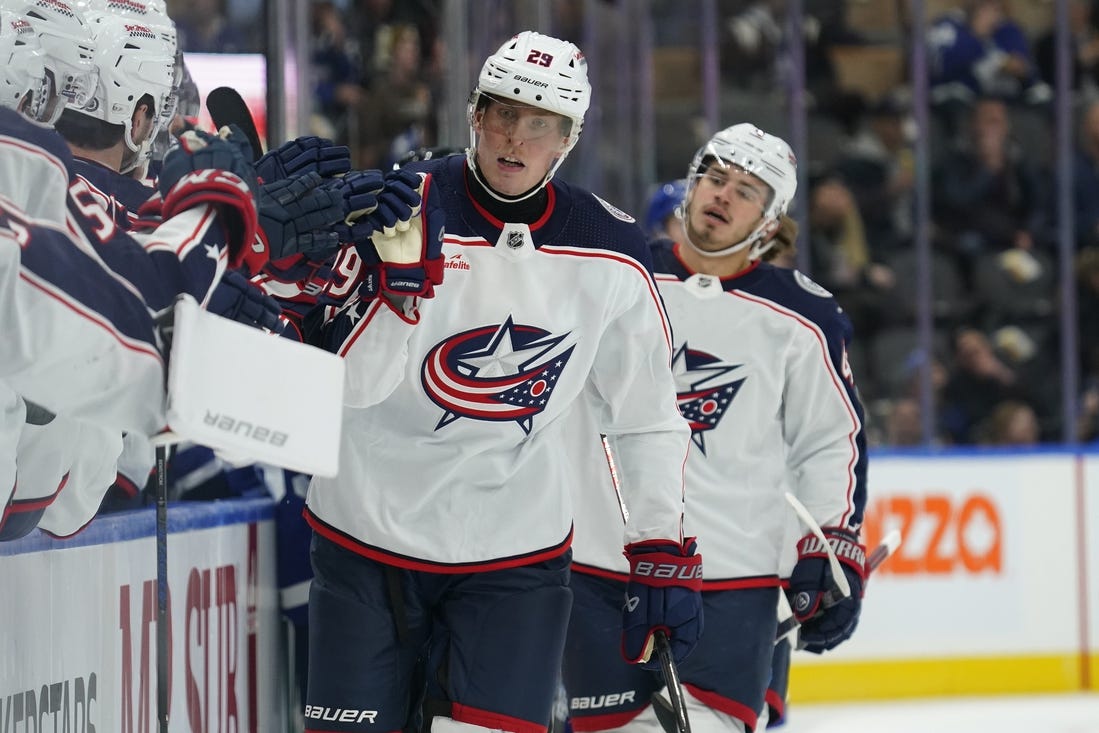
[(304, 155), (237, 299), (399, 202), (198, 150), (408, 257), (824, 626), (297, 216), (359, 191), (207, 170), (664, 593)]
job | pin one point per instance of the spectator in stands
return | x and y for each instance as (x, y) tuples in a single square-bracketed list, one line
[(841, 258), (1084, 28), (1087, 424), (986, 196), (371, 23), (1011, 423), (978, 382), (398, 116), (337, 65), (204, 27), (978, 50), (756, 44), (1085, 178), (1087, 300), (878, 166), (903, 423)]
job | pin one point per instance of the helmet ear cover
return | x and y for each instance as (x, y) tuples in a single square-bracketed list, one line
[(136, 66), (25, 83), (66, 41)]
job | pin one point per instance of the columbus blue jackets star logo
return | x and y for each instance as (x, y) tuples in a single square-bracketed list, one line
[(498, 372), (703, 390)]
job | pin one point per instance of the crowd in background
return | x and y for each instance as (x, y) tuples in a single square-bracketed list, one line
[(378, 66)]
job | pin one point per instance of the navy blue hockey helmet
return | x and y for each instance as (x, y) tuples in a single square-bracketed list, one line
[(663, 204)]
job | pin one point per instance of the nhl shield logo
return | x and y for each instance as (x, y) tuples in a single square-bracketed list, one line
[(515, 239)]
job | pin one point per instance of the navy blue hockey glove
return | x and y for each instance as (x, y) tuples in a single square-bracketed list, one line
[(198, 150), (407, 256), (825, 626), (237, 299), (209, 170), (303, 155), (298, 215), (359, 192), (399, 202), (664, 593)]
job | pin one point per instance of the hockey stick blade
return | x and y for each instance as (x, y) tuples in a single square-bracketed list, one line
[(880, 554), (671, 712), (227, 107)]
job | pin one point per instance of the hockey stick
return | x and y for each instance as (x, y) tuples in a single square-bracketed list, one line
[(833, 596), (879, 555), (162, 658), (837, 570), (227, 107), (671, 712)]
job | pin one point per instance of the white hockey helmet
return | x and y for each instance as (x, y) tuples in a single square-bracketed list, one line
[(66, 40), (765, 156), (133, 59), (154, 16), (23, 69), (541, 71)]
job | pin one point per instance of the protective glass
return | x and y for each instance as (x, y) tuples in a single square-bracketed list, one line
[(747, 187), (522, 123)]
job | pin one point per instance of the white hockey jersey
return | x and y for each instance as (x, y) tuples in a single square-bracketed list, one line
[(456, 453), (762, 377)]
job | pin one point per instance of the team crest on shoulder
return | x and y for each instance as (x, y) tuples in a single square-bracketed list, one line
[(705, 387), (616, 212), (809, 286)]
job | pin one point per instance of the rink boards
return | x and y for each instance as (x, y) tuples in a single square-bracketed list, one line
[(78, 624), (993, 591)]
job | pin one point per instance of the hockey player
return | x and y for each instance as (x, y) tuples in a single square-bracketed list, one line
[(445, 536), (184, 253), (51, 454), (660, 216), (762, 377)]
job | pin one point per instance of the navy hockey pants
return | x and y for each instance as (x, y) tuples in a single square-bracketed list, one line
[(483, 648), (728, 670)]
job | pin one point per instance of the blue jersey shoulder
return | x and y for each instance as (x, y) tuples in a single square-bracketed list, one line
[(37, 135), (798, 292), (129, 192), (578, 218)]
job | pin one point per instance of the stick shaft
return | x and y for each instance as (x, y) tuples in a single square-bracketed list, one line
[(162, 652)]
